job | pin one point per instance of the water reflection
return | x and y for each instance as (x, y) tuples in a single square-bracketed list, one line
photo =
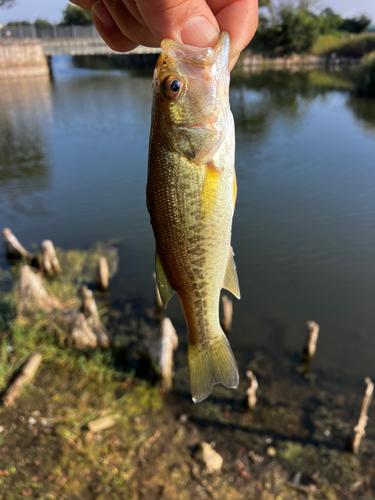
[(25, 112), (364, 111)]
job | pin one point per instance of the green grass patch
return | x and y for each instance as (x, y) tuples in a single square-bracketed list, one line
[(343, 45)]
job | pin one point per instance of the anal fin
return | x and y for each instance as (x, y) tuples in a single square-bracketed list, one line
[(165, 289), (230, 277)]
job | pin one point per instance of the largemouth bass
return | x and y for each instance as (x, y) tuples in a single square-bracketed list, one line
[(191, 193)]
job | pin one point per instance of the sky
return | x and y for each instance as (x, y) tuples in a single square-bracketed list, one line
[(29, 10)]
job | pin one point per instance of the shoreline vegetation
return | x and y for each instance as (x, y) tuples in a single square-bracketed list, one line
[(97, 422)]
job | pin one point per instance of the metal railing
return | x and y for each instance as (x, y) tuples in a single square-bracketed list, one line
[(54, 32)]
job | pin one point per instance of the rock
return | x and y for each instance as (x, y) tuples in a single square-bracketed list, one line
[(271, 451), (183, 419), (212, 460), (256, 459), (101, 424)]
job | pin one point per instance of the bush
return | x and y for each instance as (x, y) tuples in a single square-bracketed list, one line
[(354, 46), (365, 76)]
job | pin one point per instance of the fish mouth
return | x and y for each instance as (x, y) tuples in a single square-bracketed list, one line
[(196, 55)]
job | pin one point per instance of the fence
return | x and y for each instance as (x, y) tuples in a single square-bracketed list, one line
[(54, 32)]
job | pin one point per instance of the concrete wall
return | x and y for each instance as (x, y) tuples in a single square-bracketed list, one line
[(22, 59)]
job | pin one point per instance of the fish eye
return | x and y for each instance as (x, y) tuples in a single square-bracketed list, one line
[(173, 87)]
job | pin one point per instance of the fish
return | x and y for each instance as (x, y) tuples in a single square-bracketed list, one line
[(191, 193)]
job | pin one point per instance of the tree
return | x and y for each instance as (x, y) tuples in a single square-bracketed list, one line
[(18, 23), (6, 3), (329, 21), (42, 23), (355, 24), (75, 15), (298, 30)]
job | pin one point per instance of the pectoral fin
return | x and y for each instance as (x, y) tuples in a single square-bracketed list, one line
[(230, 277), (165, 289)]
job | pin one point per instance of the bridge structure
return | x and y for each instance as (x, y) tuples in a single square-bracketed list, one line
[(70, 40)]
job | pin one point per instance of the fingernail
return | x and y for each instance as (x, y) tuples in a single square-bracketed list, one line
[(199, 32), (100, 10)]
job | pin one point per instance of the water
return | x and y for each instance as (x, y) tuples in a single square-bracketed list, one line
[(73, 160)]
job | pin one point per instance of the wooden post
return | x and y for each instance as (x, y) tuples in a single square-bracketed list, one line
[(27, 373), (226, 321), (312, 338), (34, 297), (13, 247), (251, 392), (310, 346), (168, 344), (50, 262), (103, 273), (359, 428), (90, 311)]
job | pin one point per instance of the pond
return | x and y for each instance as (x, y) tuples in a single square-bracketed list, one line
[(73, 166)]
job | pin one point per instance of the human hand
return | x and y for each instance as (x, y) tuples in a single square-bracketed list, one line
[(125, 24)]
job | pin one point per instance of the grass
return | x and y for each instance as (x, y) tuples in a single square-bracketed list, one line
[(45, 449), (343, 45)]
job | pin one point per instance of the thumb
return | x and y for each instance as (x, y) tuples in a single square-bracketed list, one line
[(187, 21)]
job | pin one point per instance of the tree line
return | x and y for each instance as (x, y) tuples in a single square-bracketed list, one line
[(72, 15), (294, 28), (283, 28)]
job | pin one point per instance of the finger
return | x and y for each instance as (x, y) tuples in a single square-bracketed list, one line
[(128, 25), (132, 7), (108, 29), (187, 21), (232, 62), (84, 4), (239, 18)]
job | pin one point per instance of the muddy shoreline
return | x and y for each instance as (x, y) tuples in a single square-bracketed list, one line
[(292, 445)]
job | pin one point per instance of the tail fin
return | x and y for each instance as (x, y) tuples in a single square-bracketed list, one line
[(211, 364)]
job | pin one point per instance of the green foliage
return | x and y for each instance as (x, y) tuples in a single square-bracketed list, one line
[(299, 31), (18, 23), (365, 76), (328, 43), (352, 46), (6, 3), (355, 24), (42, 23), (73, 15), (295, 31), (328, 21), (287, 29)]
